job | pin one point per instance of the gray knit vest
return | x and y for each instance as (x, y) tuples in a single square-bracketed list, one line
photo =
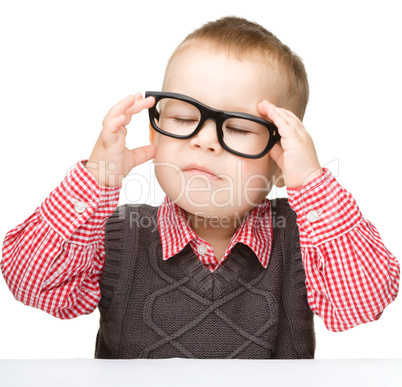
[(152, 308)]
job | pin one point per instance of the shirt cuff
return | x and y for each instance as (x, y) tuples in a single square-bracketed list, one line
[(76, 199), (325, 210)]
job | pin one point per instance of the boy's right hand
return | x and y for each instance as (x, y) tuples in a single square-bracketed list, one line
[(111, 160)]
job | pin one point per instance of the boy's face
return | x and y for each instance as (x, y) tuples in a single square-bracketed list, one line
[(198, 174)]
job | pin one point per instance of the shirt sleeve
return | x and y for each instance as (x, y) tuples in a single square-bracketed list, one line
[(350, 275), (54, 259)]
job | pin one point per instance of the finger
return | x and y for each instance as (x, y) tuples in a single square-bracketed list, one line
[(112, 130), (288, 116), (122, 106), (129, 106), (288, 124), (142, 154), (139, 105), (264, 106), (271, 111), (113, 124)]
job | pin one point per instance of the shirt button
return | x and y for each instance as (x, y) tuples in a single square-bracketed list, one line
[(80, 207), (202, 249), (313, 216)]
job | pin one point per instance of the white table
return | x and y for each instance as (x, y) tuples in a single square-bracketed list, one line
[(205, 373)]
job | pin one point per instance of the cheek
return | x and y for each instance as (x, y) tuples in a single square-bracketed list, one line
[(167, 150), (256, 181), (170, 179), (167, 171), (170, 155)]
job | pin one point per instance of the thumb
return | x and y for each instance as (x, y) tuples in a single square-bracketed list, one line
[(276, 154), (142, 154)]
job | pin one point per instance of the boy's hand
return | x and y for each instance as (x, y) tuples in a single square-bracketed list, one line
[(111, 160), (295, 154)]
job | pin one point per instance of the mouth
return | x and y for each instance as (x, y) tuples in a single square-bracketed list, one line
[(198, 170)]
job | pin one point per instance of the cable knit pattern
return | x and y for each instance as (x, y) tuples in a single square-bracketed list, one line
[(151, 308)]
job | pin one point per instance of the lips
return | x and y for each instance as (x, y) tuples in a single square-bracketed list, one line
[(200, 170)]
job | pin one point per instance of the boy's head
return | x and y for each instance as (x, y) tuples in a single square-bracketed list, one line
[(230, 65), (244, 40)]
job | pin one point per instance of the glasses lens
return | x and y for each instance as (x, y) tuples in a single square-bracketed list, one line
[(176, 117), (245, 136)]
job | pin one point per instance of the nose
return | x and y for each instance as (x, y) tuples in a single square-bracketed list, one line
[(206, 139)]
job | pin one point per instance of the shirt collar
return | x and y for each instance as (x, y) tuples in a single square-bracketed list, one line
[(255, 231)]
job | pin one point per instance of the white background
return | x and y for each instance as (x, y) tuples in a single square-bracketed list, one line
[(64, 64)]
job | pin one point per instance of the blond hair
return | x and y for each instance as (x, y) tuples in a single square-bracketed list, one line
[(246, 39)]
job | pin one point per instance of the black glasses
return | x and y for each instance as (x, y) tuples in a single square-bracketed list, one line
[(181, 117)]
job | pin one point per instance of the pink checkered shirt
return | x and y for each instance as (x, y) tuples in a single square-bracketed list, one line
[(54, 259)]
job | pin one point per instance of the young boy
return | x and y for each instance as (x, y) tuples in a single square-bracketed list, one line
[(227, 273)]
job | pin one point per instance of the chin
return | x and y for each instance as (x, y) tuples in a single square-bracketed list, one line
[(223, 212)]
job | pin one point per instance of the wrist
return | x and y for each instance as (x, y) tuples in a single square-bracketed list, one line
[(302, 179), (101, 173), (309, 180), (93, 170), (317, 172), (106, 194)]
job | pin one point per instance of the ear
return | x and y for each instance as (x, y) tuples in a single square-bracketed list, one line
[(153, 136)]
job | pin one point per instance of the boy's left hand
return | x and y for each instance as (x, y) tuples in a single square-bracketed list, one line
[(295, 154)]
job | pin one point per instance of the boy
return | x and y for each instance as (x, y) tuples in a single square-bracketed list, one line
[(227, 273)]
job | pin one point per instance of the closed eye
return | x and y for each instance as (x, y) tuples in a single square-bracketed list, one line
[(184, 121), (241, 132)]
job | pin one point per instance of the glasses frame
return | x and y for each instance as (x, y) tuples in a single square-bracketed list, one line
[(219, 116)]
